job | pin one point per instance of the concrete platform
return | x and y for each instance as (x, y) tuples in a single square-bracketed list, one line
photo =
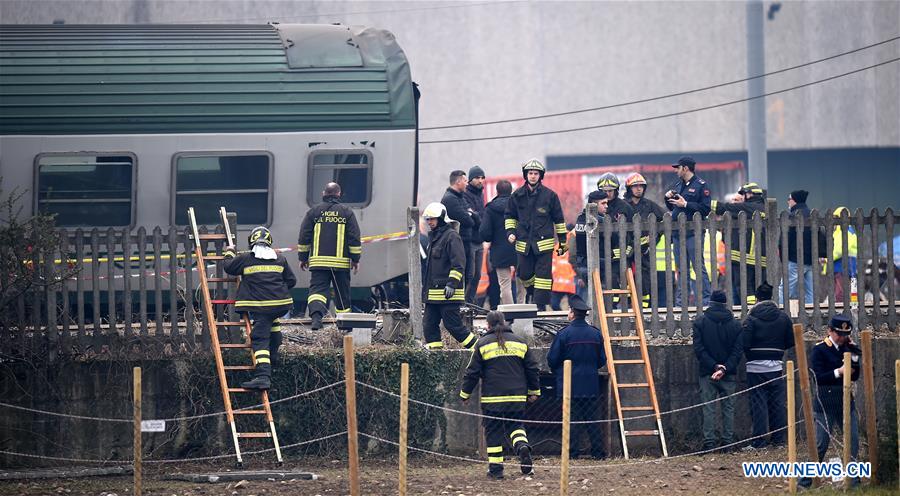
[(248, 475), (66, 473)]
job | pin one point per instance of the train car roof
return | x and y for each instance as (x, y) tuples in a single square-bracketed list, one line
[(117, 79)]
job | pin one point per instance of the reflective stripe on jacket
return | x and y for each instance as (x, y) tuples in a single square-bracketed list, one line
[(265, 284), (508, 373), (329, 236), (444, 265)]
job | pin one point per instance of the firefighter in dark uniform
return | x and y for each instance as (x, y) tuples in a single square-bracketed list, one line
[(617, 209), (754, 201), (265, 294), (687, 196), (827, 363), (533, 218), (444, 289), (635, 189), (329, 247), (509, 375)]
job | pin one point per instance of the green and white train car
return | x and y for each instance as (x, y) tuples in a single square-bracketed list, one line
[(127, 125)]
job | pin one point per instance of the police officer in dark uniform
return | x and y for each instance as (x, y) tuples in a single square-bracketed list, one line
[(583, 344), (533, 216), (635, 189), (329, 247), (510, 376), (827, 363), (689, 195), (754, 201), (265, 294), (444, 288)]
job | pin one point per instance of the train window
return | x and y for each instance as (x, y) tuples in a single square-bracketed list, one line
[(86, 190), (352, 169), (239, 181)]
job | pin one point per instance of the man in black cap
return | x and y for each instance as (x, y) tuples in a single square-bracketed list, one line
[(798, 209), (718, 346), (581, 343), (767, 334), (600, 198), (827, 363), (474, 195), (689, 195)]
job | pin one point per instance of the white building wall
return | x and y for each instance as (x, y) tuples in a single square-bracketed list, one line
[(477, 62)]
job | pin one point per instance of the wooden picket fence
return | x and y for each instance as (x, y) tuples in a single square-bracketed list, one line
[(133, 287)]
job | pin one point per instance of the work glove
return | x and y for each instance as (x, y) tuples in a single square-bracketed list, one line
[(448, 291), (563, 248)]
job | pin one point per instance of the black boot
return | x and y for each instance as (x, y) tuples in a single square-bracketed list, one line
[(261, 382), (525, 459), (495, 474), (316, 321)]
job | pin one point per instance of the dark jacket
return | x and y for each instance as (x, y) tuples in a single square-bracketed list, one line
[(750, 207), (508, 374), (768, 332), (697, 195), (583, 344), (801, 210), (823, 359), (580, 263), (458, 210), (620, 209), (644, 208), (717, 340), (535, 216), (337, 244), (445, 262), (475, 200), (502, 253), (265, 284)]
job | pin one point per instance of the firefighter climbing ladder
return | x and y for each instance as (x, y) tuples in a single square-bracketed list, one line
[(644, 361), (215, 326)]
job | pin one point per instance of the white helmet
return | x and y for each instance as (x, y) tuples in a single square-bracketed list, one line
[(436, 210)]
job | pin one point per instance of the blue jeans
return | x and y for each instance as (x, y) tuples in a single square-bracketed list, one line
[(793, 275), (691, 255)]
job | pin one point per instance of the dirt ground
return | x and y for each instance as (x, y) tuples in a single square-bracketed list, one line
[(711, 474)]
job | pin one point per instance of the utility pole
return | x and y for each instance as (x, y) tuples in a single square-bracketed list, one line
[(758, 167)]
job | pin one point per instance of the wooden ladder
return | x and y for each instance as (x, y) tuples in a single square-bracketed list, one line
[(215, 326), (611, 362)]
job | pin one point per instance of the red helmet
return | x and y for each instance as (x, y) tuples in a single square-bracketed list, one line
[(635, 179)]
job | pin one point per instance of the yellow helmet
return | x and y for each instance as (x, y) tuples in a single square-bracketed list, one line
[(751, 188), (436, 210), (840, 211)]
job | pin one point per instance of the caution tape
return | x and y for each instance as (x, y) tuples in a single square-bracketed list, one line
[(385, 237), (375, 238)]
